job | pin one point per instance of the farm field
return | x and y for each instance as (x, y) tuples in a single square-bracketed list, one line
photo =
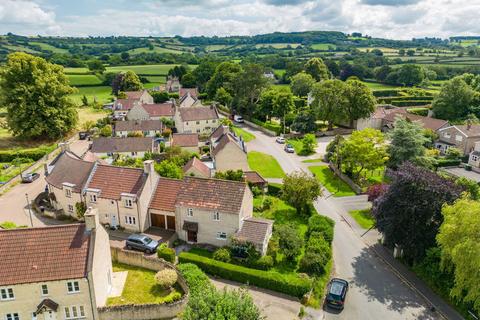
[(154, 50), (102, 94), (323, 46), (46, 46), (84, 80), (277, 45)]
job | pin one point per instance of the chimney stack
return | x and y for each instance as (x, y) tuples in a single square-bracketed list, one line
[(91, 219)]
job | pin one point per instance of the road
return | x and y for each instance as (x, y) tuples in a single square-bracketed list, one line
[(375, 291)]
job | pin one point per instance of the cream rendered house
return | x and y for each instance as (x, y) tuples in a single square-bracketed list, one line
[(229, 153), (201, 120), (155, 111), (53, 273), (149, 128)]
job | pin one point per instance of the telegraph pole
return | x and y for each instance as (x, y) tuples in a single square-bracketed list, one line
[(29, 210)]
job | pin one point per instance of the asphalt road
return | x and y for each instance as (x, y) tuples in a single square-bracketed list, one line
[(375, 291)]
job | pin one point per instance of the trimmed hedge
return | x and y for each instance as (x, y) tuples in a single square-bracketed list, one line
[(291, 285), (34, 154), (408, 103), (418, 111), (386, 93), (447, 162), (166, 253), (269, 126)]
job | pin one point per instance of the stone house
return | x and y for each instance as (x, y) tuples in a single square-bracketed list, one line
[(188, 98), (462, 137), (173, 84), (149, 128), (196, 168), (199, 120), (155, 111), (186, 141), (121, 107), (134, 147), (142, 96), (55, 272), (229, 153)]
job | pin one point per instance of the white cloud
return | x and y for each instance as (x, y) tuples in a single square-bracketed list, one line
[(24, 16)]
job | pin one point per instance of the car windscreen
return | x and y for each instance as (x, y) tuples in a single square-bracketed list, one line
[(147, 240), (336, 290)]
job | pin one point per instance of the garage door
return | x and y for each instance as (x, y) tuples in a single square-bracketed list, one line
[(171, 222), (158, 220)]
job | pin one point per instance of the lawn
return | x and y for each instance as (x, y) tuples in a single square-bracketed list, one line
[(140, 288), (84, 80), (312, 160), (363, 218), (266, 165), (379, 86), (297, 145), (331, 182), (153, 69), (247, 136), (102, 94), (11, 171)]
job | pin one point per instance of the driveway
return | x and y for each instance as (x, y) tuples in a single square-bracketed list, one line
[(375, 292), (275, 306)]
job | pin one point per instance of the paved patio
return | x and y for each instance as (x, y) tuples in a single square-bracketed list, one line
[(461, 172)]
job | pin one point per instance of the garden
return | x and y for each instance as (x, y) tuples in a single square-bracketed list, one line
[(298, 260), (305, 146)]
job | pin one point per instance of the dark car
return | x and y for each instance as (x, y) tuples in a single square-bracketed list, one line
[(141, 242), (336, 293), (289, 148), (82, 135), (29, 177)]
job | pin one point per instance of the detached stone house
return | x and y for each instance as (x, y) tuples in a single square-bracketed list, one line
[(186, 141), (462, 137), (199, 120), (121, 107), (155, 111), (188, 98), (229, 153), (56, 272), (142, 95), (149, 128), (134, 147)]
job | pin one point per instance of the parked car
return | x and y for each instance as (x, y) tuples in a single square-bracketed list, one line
[(29, 177), (141, 242), (83, 135), (289, 148), (336, 293), (280, 140), (238, 119)]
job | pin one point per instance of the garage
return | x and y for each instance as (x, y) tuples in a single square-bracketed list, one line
[(158, 220), (171, 223)]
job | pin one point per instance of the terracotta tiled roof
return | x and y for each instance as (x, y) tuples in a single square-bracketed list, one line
[(226, 139), (199, 165), (66, 164), (213, 194), (129, 144), (253, 177), (165, 194), (217, 133), (134, 94), (113, 181), (138, 125), (124, 104), (198, 113), (426, 122), (43, 254), (254, 230), (160, 109), (185, 139), (193, 92)]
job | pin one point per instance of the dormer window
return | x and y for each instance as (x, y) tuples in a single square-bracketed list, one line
[(93, 198), (128, 203), (189, 212)]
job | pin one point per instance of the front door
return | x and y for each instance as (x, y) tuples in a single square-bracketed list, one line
[(171, 222), (192, 236), (49, 315), (158, 220), (114, 221)]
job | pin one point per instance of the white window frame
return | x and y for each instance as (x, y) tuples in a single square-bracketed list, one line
[(68, 193), (128, 203), (70, 208), (216, 216), (130, 220), (458, 138), (74, 312), (189, 212), (446, 135), (7, 294), (220, 234), (44, 288), (93, 198), (75, 286), (12, 316)]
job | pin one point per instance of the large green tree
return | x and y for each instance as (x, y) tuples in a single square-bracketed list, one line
[(361, 102), (35, 94), (407, 142), (130, 82), (249, 84), (329, 100), (302, 84), (224, 76), (317, 69), (300, 189), (454, 100), (459, 239)]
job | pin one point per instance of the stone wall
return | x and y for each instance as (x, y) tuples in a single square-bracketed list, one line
[(346, 179), (144, 311)]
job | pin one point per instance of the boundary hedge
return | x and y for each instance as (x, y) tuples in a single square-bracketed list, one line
[(291, 285), (34, 153)]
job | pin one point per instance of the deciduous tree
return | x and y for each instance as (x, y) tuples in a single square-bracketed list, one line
[(454, 100), (300, 189), (329, 100), (301, 84), (130, 82), (317, 69), (361, 102)]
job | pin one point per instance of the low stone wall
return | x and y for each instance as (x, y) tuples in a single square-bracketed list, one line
[(144, 311), (251, 124), (356, 188)]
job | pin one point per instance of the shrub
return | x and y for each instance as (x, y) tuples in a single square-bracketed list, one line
[(446, 162), (289, 284), (453, 153), (166, 278), (418, 111), (264, 263), (289, 241), (267, 203), (322, 225), (166, 253), (222, 254), (195, 278), (313, 263), (274, 189)]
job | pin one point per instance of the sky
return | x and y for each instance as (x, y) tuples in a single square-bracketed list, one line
[(395, 19)]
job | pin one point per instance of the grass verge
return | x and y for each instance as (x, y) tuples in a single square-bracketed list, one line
[(363, 218), (331, 182), (246, 136), (266, 165)]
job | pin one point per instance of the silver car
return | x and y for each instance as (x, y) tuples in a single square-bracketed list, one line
[(141, 242)]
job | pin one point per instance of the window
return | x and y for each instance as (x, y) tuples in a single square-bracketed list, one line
[(474, 158), (221, 236), (458, 137), (134, 153), (93, 198), (130, 220), (216, 216), (198, 122), (44, 290), (7, 294), (68, 193), (12, 316), (70, 208), (206, 121), (186, 123), (73, 287), (189, 212), (214, 120), (446, 135), (74, 312), (198, 130), (128, 203)]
